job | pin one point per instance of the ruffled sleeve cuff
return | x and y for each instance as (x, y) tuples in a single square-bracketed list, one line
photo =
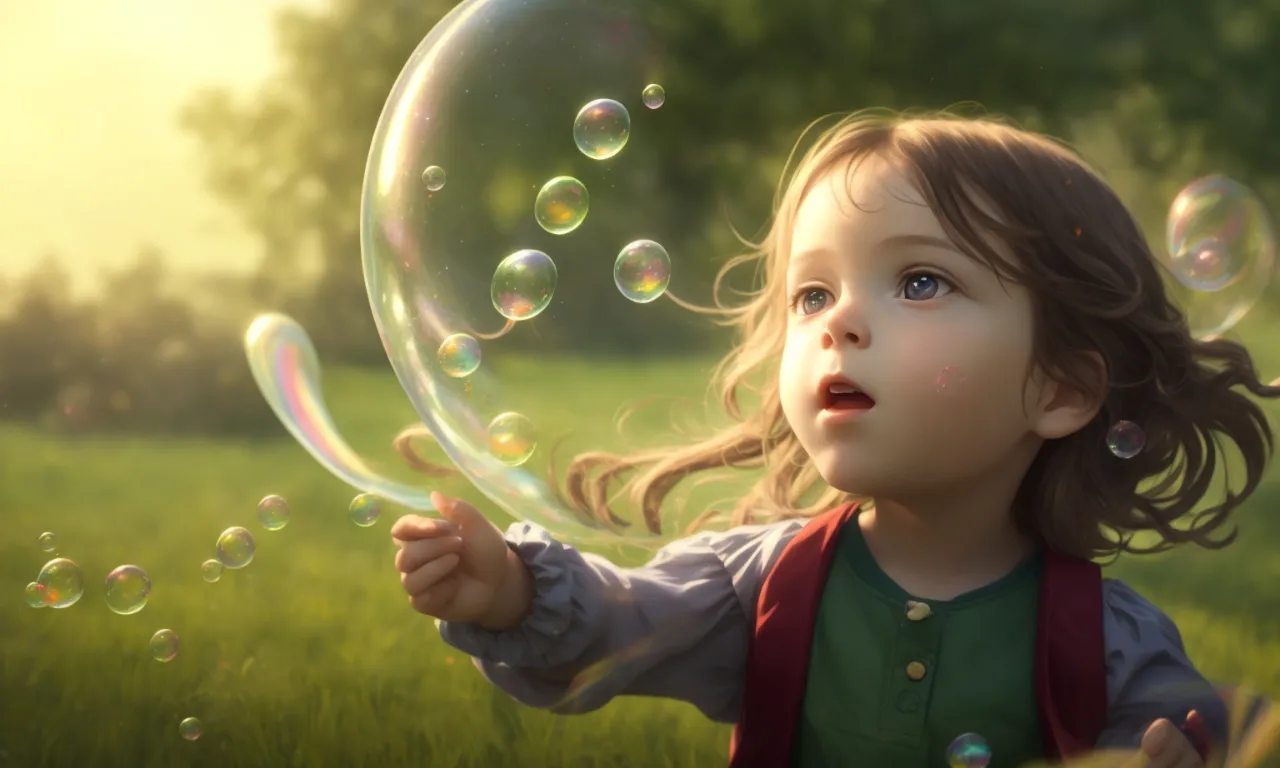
[(555, 630)]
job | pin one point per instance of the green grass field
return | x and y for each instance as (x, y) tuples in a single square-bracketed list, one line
[(311, 657)]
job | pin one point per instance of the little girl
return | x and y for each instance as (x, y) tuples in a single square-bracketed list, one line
[(954, 317)]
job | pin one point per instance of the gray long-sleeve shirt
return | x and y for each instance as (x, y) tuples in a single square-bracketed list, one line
[(679, 627)]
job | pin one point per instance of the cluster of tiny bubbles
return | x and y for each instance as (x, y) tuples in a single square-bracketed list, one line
[(365, 510), (653, 95), (950, 380), (642, 271), (211, 570), (561, 205), (1126, 439), (190, 728), (127, 589), (969, 750), (523, 284), (1220, 244), (459, 355), (235, 547), (48, 541), (602, 128), (273, 512), (61, 583), (164, 645), (433, 178), (512, 439)]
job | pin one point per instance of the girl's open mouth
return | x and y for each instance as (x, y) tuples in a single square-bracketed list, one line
[(836, 393)]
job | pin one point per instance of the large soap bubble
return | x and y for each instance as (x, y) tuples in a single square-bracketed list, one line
[(1221, 247), (495, 96)]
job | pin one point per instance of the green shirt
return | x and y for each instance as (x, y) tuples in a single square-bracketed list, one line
[(974, 657)]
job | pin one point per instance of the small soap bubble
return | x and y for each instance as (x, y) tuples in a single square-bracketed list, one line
[(433, 178), (601, 129), (62, 582), (969, 750), (653, 95), (164, 645), (273, 512), (127, 589), (950, 380), (48, 541), (459, 355), (561, 205), (511, 438), (190, 728), (34, 595), (1126, 439), (365, 510), (642, 271), (1221, 243), (523, 284), (211, 570), (1204, 265), (235, 547)]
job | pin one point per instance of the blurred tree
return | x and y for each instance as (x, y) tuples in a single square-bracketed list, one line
[(291, 160), (136, 360), (46, 344), (751, 73)]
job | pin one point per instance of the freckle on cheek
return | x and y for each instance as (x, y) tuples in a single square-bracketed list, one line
[(950, 381)]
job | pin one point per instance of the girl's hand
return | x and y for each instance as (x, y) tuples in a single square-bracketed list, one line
[(460, 568), (1165, 746)]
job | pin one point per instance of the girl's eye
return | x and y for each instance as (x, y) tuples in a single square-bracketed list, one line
[(810, 300), (922, 286)]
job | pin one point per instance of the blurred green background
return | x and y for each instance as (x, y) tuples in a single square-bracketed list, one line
[(130, 427)]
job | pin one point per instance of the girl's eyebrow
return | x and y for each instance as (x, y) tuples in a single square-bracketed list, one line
[(894, 242), (890, 243)]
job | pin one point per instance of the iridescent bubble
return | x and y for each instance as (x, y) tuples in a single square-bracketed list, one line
[(511, 438), (523, 284), (969, 750), (1221, 244), (433, 178), (273, 512), (420, 252), (284, 365), (561, 205), (235, 547), (211, 570), (126, 589), (164, 645), (1126, 439), (601, 129), (459, 355), (950, 380), (34, 595), (62, 582), (365, 510), (653, 95), (190, 728), (642, 271), (47, 541)]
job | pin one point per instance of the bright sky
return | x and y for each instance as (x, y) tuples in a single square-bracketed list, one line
[(92, 163)]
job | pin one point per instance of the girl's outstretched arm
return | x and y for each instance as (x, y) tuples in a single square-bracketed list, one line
[(677, 627)]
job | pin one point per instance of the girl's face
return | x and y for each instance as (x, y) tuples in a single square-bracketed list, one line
[(935, 346)]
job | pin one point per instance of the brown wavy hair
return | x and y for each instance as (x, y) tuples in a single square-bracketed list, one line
[(1096, 288)]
